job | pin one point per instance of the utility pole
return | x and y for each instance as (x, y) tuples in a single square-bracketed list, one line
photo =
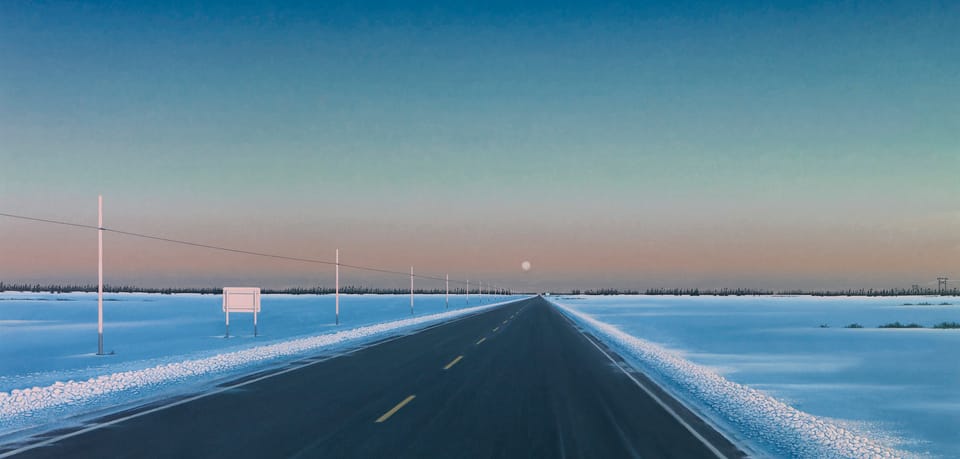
[(411, 290), (100, 275), (337, 291), (941, 285), (447, 298)]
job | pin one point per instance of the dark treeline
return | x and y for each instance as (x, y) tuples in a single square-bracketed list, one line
[(605, 291), (675, 291), (352, 289), (749, 291), (848, 292), (884, 292), (698, 292), (318, 290)]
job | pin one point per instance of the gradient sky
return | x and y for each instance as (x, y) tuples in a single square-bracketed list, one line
[(673, 144)]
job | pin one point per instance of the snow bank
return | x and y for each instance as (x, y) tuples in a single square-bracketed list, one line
[(25, 403), (761, 418)]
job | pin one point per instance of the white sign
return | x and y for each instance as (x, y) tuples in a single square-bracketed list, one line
[(241, 299)]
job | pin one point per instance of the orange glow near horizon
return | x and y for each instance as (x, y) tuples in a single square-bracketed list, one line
[(562, 255)]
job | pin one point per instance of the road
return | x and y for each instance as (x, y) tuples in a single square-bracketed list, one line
[(517, 381)]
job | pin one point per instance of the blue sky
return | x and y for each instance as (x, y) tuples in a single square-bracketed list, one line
[(796, 144)]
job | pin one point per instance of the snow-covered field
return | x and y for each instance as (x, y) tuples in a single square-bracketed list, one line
[(764, 369), (169, 344)]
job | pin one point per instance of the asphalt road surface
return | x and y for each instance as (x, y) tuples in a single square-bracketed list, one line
[(518, 381)]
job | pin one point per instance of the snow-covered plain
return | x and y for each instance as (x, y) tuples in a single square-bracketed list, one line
[(763, 369), (169, 344)]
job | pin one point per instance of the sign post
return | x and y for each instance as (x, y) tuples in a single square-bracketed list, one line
[(241, 299)]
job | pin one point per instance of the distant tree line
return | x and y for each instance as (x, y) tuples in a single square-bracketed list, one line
[(715, 292), (749, 291), (353, 289), (318, 290), (886, 292), (605, 291)]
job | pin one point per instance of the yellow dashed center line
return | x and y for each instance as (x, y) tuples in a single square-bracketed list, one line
[(395, 409), (453, 362), (481, 340)]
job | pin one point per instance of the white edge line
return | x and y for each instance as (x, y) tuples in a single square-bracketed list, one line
[(652, 395), (75, 433)]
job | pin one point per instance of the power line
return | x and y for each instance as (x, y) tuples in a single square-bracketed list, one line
[(225, 249), (44, 220), (220, 248)]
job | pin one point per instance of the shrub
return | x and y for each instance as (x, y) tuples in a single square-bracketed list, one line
[(947, 325), (897, 324), (854, 325), (824, 326)]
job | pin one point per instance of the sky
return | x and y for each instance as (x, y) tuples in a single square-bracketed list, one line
[(636, 145)]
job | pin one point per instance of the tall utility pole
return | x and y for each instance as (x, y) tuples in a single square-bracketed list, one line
[(337, 291), (941, 284), (468, 291), (480, 292), (447, 298), (100, 275), (411, 290)]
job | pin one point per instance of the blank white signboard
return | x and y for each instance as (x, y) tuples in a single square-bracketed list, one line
[(241, 299)]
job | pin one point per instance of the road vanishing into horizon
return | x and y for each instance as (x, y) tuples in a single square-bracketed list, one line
[(519, 380)]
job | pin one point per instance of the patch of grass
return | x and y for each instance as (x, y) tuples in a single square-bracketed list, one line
[(924, 303), (908, 304), (946, 304), (944, 325), (824, 326), (854, 325), (897, 324)]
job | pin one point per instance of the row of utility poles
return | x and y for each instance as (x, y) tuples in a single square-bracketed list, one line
[(100, 230)]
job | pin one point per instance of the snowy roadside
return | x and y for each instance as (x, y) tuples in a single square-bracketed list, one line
[(761, 419), (22, 408)]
